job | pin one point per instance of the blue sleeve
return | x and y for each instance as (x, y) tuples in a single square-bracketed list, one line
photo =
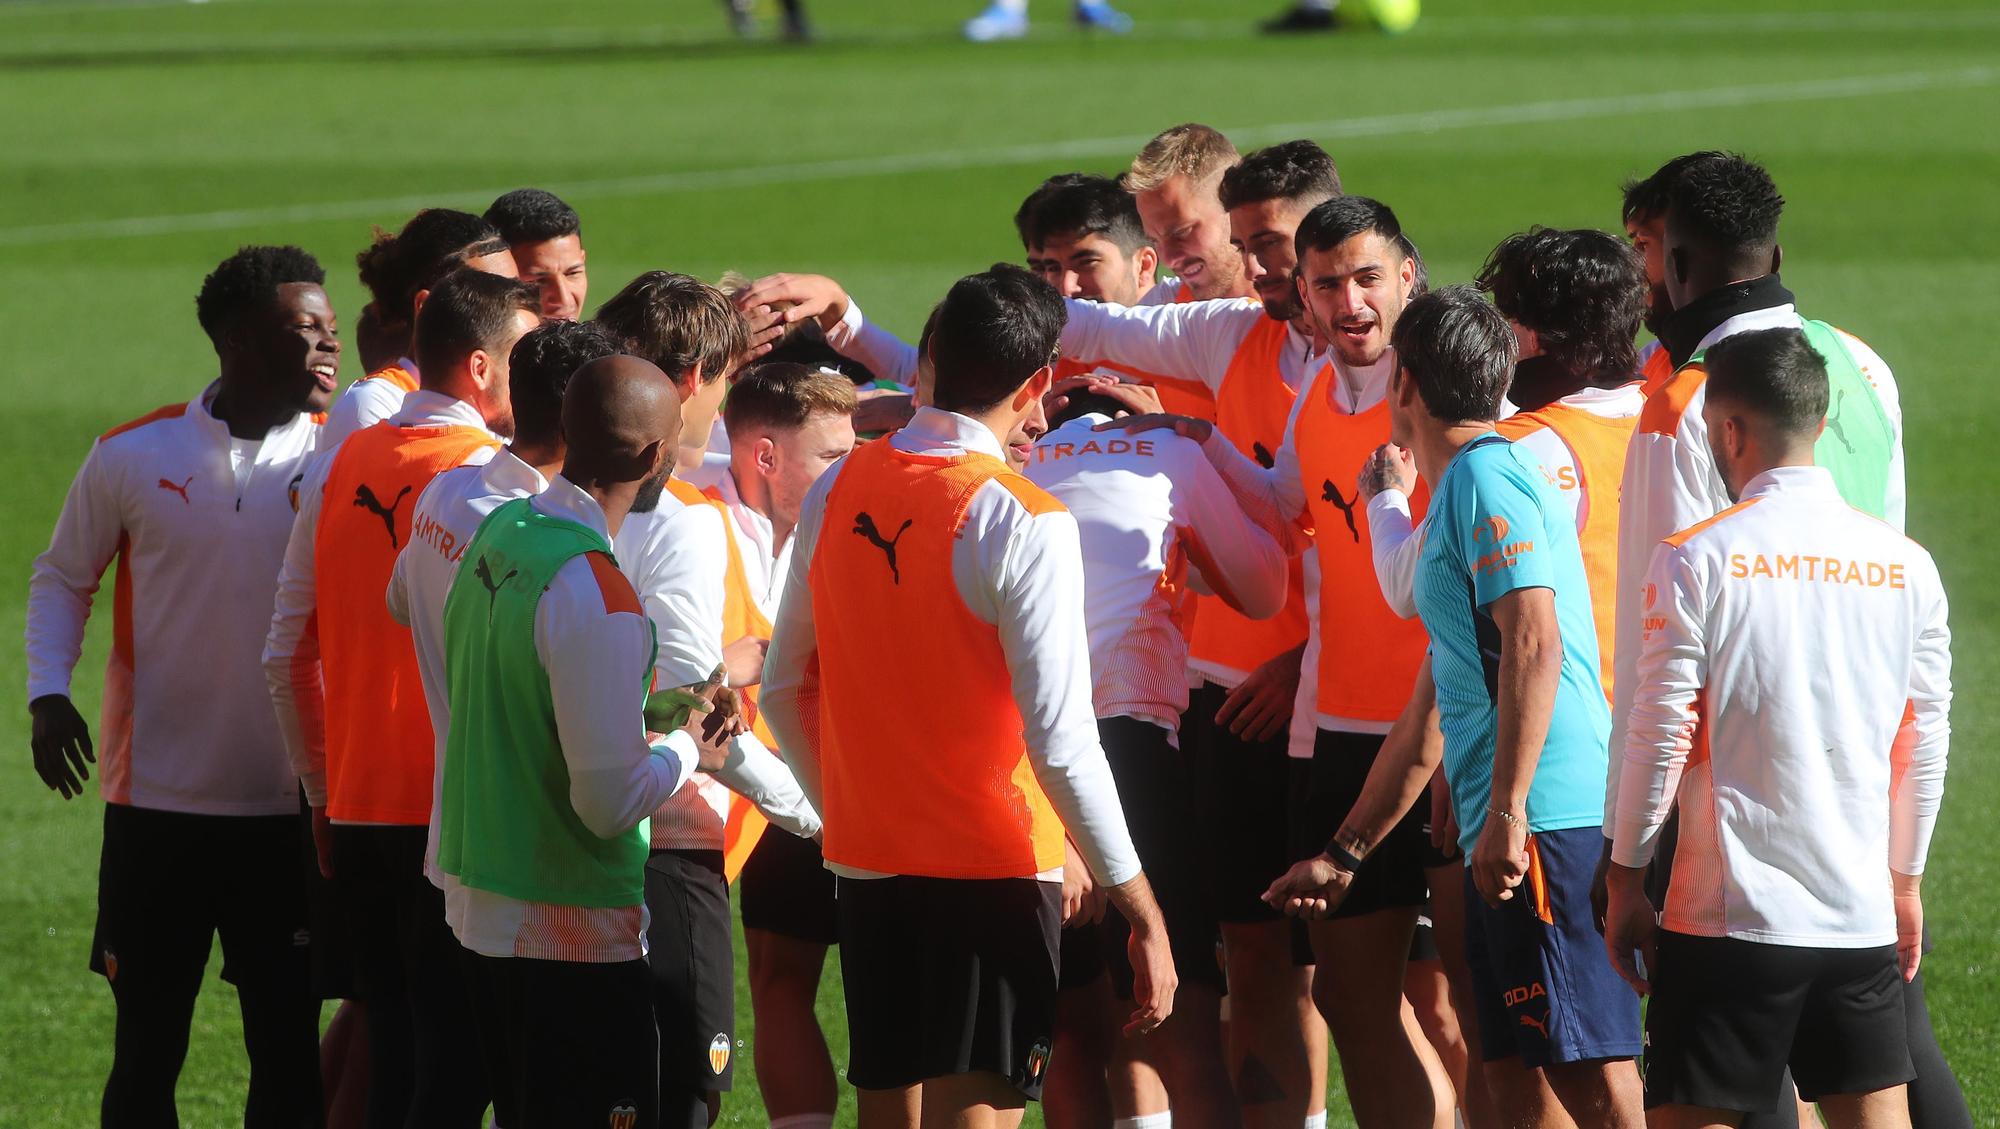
[(1502, 536)]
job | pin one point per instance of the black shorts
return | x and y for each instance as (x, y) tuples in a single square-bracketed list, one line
[(1154, 788), (568, 1043), (1240, 789), (169, 882), (1727, 1016), (785, 888), (948, 976), (693, 967), (1392, 876), (1080, 957)]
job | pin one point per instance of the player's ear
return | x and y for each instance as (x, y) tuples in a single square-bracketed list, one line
[(1145, 262), (765, 451), (1777, 254), (417, 304)]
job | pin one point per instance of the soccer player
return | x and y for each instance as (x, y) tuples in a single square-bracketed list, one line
[(549, 770), (1174, 181), (1501, 591), (1153, 515), (345, 682), (677, 556), (1645, 216), (787, 424), (1828, 770), (948, 852), (1254, 360), (399, 271), (1574, 299), (201, 813), (545, 239), (1008, 19)]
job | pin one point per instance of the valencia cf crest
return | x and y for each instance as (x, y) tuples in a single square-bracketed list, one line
[(1038, 1062), (718, 1052), (110, 965), (624, 1115)]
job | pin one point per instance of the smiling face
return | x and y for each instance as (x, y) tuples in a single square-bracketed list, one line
[(1093, 267), (1186, 222), (556, 267), (296, 341), (1262, 232), (1355, 292)]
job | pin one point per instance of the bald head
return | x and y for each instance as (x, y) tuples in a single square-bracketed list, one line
[(622, 420)]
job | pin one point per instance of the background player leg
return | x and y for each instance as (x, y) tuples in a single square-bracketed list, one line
[(1358, 985), (978, 1099), (155, 1005), (1475, 1102), (1936, 1102), (899, 1108), (1277, 1042), (1076, 1094), (794, 1067)]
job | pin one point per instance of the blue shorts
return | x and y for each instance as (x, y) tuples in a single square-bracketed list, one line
[(1543, 983)]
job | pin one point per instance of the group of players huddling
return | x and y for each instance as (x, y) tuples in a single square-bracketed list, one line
[(1140, 679)]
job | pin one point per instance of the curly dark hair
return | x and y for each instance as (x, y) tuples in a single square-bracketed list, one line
[(1583, 292), (1646, 197), (532, 215), (248, 281), (539, 369), (434, 243), (1728, 203), (1290, 170)]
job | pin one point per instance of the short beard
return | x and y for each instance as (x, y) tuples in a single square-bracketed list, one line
[(1286, 310), (650, 491), (1659, 308)]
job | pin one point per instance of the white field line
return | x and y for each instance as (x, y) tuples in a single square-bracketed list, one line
[(945, 160)]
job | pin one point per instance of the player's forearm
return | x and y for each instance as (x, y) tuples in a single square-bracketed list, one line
[(1134, 898), (1394, 545), (1255, 488), (755, 773), (1401, 774), (1080, 787), (57, 614), (1530, 670)]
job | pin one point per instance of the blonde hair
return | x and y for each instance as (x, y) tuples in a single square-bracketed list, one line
[(784, 395), (1192, 150)]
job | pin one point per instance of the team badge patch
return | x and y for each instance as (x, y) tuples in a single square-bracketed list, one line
[(718, 1052), (1038, 1061), (110, 965), (624, 1115)]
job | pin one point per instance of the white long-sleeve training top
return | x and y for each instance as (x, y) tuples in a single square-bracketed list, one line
[(595, 656), (293, 684), (1670, 483), (1151, 509), (1019, 571), (197, 522), (1785, 643)]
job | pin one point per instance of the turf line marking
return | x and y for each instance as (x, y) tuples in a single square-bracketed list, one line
[(945, 160)]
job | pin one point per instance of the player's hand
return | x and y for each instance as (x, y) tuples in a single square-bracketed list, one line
[(61, 744), (881, 410), (1312, 888), (1499, 861), (1260, 707), (1630, 932), (1083, 901), (322, 833), (1185, 426), (1909, 924), (744, 660), (778, 301), (1444, 816), (1153, 976), (1389, 468)]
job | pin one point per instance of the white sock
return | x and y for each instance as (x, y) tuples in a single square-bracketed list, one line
[(803, 1121), (1162, 1120), (1316, 1120), (1012, 7)]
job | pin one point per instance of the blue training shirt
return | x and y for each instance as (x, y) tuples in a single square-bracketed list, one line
[(1496, 526)]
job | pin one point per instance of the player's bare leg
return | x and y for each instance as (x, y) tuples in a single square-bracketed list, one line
[(1076, 1092), (1393, 1078), (1606, 1092), (794, 1067), (899, 1108), (1475, 1101), (978, 1099), (1277, 1042)]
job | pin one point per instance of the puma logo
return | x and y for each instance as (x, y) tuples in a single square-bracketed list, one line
[(1540, 1025), (1344, 505), (864, 526), (1263, 456), (366, 499), (493, 586), (182, 489), (1833, 423)]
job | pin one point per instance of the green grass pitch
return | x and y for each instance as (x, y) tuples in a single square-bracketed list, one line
[(145, 140)]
